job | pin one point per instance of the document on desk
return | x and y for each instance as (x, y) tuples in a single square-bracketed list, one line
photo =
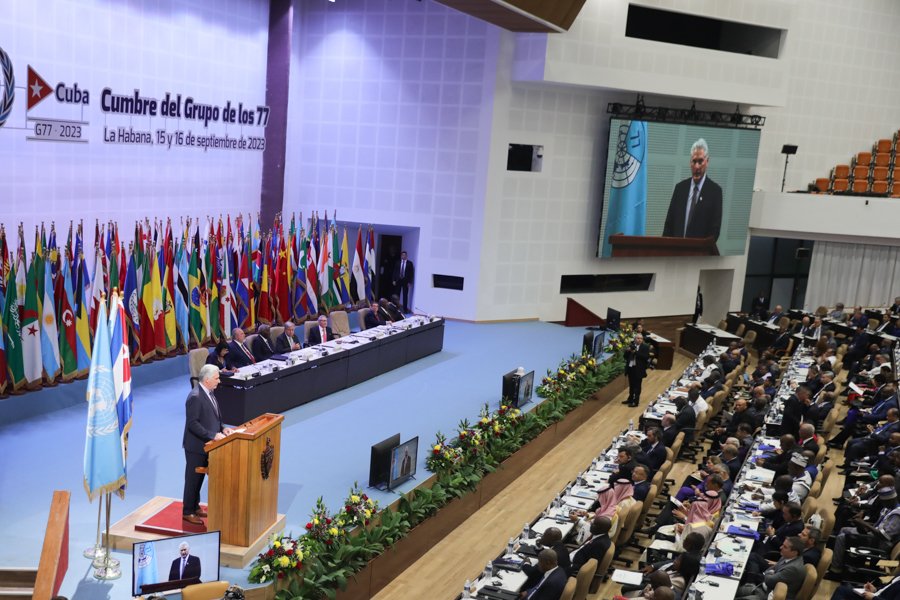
[(761, 475), (627, 577)]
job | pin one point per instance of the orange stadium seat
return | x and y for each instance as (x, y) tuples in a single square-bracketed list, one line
[(841, 185), (860, 186), (860, 172), (879, 187), (864, 159), (880, 174), (883, 146), (895, 190), (841, 172), (882, 159), (822, 184)]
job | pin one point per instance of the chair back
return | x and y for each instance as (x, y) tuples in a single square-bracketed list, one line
[(784, 322), (648, 501), (820, 456), (809, 584), (669, 454), (307, 327), (827, 526), (248, 341), (780, 591), (629, 523), (340, 323), (196, 359), (583, 579), (827, 469), (569, 590), (274, 332), (211, 590), (723, 325), (603, 568), (676, 445), (361, 314), (816, 490), (740, 330), (809, 507), (750, 337), (824, 563)]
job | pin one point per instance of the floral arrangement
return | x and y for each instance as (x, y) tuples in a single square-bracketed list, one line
[(567, 374), (443, 456), (283, 559), (322, 528), (619, 342), (358, 509)]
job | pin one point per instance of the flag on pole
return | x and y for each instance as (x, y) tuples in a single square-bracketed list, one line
[(49, 331), (121, 371), (12, 330), (359, 279), (68, 339), (31, 330), (628, 192), (182, 296), (369, 267), (343, 273), (82, 324), (104, 468)]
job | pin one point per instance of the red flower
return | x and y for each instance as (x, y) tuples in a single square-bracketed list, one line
[(271, 552), (299, 565), (290, 552), (280, 575), (364, 497), (328, 521), (328, 542), (309, 526), (349, 508), (435, 451)]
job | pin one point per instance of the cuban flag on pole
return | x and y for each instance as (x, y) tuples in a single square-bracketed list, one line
[(627, 212)]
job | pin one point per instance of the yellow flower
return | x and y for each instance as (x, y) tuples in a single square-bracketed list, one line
[(284, 561), (484, 420), (496, 428), (368, 513), (316, 521), (437, 446), (333, 531), (354, 498), (277, 544)]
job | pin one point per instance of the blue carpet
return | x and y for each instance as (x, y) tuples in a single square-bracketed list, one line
[(325, 444)]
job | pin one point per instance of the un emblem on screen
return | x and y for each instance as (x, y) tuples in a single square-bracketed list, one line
[(629, 156), (9, 87)]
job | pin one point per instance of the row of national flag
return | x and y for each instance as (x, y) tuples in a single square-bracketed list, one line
[(181, 288)]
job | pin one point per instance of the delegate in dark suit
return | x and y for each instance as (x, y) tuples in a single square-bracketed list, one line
[(403, 277), (535, 574), (550, 587), (596, 547), (284, 343), (705, 219), (203, 423), (315, 336), (652, 455), (373, 319), (191, 569), (262, 349), (238, 355), (637, 358)]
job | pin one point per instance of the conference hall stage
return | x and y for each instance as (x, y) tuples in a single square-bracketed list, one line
[(325, 442)]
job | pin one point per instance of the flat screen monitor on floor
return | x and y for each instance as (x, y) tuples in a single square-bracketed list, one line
[(403, 462), (517, 388), (380, 462), (173, 563), (526, 385)]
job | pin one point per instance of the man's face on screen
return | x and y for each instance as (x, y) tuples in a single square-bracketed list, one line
[(699, 160)]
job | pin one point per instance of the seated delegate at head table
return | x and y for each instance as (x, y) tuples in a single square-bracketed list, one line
[(288, 340), (321, 333), (238, 353), (262, 347)]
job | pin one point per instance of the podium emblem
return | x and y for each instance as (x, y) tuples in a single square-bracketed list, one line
[(267, 457)]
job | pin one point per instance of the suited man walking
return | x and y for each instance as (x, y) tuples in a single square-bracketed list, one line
[(203, 423), (404, 275), (637, 359), (186, 566), (695, 210)]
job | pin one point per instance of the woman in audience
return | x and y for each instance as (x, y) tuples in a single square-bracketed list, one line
[(217, 357)]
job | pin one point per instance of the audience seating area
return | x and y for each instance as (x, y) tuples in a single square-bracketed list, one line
[(869, 172)]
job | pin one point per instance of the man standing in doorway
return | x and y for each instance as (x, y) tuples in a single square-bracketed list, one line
[(404, 274)]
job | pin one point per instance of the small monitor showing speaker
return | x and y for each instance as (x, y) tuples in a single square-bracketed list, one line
[(403, 462), (380, 461), (518, 387), (170, 564)]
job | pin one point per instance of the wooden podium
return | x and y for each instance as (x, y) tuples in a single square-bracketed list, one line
[(243, 480), (646, 245)]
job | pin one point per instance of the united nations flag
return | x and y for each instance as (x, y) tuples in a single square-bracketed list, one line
[(627, 212)]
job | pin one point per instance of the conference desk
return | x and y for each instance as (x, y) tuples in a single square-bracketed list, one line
[(274, 386), (766, 333), (665, 351), (697, 336)]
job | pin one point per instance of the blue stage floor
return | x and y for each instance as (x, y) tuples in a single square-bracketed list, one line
[(325, 444)]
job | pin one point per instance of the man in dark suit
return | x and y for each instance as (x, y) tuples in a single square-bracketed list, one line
[(404, 275), (321, 333), (262, 347), (641, 484), (776, 315), (625, 463), (553, 582), (595, 546), (374, 317), (847, 591), (669, 430), (653, 452), (637, 358), (203, 423), (238, 355), (810, 537), (686, 419), (878, 435), (695, 210), (759, 306), (551, 538), (288, 340), (186, 566), (794, 409)]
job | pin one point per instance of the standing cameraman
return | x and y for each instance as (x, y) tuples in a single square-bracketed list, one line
[(637, 358)]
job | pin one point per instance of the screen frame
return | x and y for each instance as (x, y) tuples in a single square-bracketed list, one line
[(380, 460), (134, 554)]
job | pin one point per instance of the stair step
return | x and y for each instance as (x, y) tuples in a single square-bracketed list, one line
[(16, 593), (17, 577)]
